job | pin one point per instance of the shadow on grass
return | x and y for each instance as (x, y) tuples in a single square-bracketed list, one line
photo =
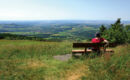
[(92, 56)]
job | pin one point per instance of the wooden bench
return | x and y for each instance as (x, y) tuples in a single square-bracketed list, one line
[(86, 47)]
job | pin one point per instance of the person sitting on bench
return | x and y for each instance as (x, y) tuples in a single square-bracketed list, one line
[(98, 39)]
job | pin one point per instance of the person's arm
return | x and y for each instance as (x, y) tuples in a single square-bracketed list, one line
[(106, 45), (106, 41)]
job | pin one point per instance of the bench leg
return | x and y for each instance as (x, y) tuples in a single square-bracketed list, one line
[(72, 54), (83, 54)]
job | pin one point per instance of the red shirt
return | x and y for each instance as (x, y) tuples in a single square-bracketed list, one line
[(97, 40)]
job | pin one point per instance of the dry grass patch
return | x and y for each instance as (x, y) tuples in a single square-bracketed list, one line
[(32, 64), (77, 72)]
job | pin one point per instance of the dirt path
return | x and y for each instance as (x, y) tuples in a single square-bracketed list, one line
[(65, 57)]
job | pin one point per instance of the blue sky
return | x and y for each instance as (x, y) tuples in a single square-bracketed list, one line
[(64, 9)]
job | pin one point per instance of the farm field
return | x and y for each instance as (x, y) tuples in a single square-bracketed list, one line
[(50, 31), (33, 60)]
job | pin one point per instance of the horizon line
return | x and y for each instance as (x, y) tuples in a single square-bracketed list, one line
[(63, 20)]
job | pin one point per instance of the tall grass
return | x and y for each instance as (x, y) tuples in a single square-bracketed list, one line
[(33, 60), (114, 67)]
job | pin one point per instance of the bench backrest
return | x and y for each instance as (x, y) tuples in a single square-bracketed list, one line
[(85, 45)]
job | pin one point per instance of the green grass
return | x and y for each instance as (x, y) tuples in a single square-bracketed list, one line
[(33, 60), (111, 67), (23, 59)]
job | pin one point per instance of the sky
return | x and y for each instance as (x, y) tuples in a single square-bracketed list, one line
[(64, 9)]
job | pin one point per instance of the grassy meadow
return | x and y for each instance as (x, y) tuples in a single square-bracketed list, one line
[(33, 60)]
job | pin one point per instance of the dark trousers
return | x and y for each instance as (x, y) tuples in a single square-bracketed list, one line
[(97, 51)]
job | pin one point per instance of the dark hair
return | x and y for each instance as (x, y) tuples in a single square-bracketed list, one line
[(97, 34)]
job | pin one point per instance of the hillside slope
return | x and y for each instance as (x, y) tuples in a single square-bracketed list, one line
[(33, 60)]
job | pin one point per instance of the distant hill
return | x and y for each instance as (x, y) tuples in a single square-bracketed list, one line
[(56, 29)]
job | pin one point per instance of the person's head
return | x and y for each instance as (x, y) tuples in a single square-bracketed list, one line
[(98, 35)]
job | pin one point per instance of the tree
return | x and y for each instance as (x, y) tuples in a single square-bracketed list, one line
[(127, 28), (102, 29), (116, 33)]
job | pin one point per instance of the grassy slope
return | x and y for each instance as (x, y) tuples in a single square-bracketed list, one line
[(115, 67), (33, 60)]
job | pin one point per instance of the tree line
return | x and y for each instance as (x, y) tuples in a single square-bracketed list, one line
[(9, 36), (116, 33)]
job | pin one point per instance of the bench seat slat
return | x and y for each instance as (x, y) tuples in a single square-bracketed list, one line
[(109, 50), (89, 50), (81, 51)]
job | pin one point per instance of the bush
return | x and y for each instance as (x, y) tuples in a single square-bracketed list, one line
[(116, 33)]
